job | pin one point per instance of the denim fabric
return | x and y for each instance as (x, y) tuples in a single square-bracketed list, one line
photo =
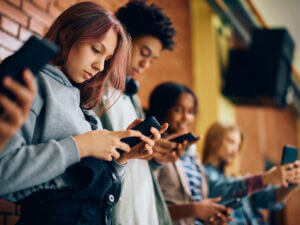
[(249, 212), (90, 201)]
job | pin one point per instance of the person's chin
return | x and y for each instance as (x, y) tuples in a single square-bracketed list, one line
[(228, 161), (79, 81), (183, 129)]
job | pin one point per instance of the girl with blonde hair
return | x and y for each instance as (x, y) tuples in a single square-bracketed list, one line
[(222, 144)]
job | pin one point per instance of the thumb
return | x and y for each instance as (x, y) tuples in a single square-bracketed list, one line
[(163, 127), (134, 123)]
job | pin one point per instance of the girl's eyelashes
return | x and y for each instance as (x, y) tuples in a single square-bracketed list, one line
[(95, 49), (177, 109), (145, 52)]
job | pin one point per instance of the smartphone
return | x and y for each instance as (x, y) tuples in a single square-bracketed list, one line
[(232, 203), (289, 154), (144, 128), (34, 54), (189, 137)]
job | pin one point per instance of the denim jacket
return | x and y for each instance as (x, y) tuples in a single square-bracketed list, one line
[(230, 187)]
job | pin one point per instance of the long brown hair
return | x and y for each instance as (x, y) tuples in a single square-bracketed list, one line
[(85, 22), (213, 141)]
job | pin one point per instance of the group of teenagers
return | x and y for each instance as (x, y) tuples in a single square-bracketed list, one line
[(62, 158)]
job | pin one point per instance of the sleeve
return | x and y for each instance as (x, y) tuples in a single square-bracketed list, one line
[(155, 165), (23, 166), (230, 187), (266, 199)]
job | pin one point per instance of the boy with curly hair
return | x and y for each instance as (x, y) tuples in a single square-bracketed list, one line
[(152, 31)]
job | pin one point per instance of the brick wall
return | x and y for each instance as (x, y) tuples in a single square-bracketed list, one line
[(267, 130), (21, 18)]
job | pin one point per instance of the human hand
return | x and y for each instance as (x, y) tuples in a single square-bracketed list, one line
[(103, 144), (14, 112), (144, 149), (282, 175), (169, 151), (209, 210), (296, 173)]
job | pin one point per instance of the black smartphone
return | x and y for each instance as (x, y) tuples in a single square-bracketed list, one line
[(289, 154), (190, 137), (34, 54), (144, 128), (232, 203)]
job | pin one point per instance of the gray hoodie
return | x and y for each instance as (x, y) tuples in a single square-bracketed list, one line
[(44, 147)]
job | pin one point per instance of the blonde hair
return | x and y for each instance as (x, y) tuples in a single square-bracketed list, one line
[(212, 143)]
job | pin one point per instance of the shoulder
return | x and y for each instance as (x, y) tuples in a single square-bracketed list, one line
[(50, 82), (166, 170), (211, 172)]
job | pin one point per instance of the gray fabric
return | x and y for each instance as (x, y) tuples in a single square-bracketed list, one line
[(44, 147)]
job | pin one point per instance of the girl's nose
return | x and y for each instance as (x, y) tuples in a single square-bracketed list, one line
[(99, 65)]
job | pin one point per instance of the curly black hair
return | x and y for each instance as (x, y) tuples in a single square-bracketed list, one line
[(141, 19)]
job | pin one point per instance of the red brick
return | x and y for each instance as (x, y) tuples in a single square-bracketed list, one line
[(16, 2), (37, 13), (24, 34), (64, 4), (54, 11), (3, 54), (43, 4), (7, 206), (9, 26), (36, 27), (9, 41), (11, 219), (13, 13)]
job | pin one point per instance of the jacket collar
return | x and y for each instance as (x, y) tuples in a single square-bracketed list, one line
[(56, 74)]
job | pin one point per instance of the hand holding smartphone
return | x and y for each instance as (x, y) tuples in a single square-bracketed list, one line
[(289, 155), (34, 54), (144, 128), (232, 203)]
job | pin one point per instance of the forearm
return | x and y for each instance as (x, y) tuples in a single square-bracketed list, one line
[(253, 184), (23, 166), (181, 211), (232, 187)]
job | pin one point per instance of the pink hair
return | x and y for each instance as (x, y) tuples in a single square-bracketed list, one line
[(86, 22)]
